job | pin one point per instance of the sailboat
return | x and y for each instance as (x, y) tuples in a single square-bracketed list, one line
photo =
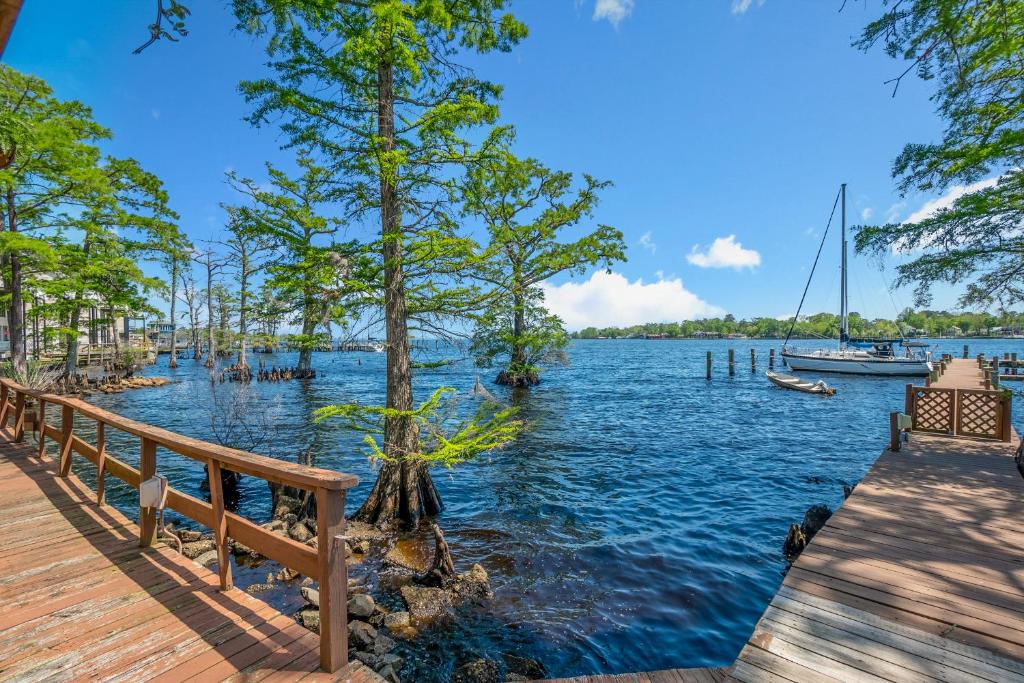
[(878, 359)]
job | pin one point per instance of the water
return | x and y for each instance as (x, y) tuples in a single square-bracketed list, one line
[(637, 525)]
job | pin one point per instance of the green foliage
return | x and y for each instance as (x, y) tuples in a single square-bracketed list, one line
[(527, 209), (444, 439), (35, 375), (972, 49), (308, 276)]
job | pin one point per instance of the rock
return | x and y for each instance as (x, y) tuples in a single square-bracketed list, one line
[(360, 606), (529, 669), (310, 595), (361, 546), (397, 620), (197, 548), (242, 549), (795, 542), (207, 558), (390, 660), (387, 672), (382, 645), (188, 536), (287, 574), (290, 518), (473, 585), (306, 582), (361, 634), (426, 604), (259, 588), (286, 505), (478, 671), (367, 658), (300, 532), (310, 618), (277, 525)]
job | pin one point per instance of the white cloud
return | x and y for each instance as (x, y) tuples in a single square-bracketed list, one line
[(610, 299), (929, 209), (892, 214), (647, 243), (866, 213), (612, 10), (724, 252), (741, 6)]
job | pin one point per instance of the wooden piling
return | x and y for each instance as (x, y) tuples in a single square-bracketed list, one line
[(966, 352), (1013, 361), (771, 359), (709, 365), (732, 362), (753, 360)]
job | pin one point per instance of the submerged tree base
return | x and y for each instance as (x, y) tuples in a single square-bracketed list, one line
[(518, 378), (403, 494)]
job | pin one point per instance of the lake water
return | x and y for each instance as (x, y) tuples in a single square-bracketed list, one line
[(637, 525)]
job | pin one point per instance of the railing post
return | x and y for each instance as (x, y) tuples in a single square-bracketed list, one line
[(4, 405), (19, 416), (220, 524), (894, 430), (147, 516), (1005, 424), (41, 425), (101, 462), (908, 402), (67, 430), (330, 528)]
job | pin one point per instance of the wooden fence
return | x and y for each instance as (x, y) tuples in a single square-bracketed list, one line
[(984, 413), (326, 562)]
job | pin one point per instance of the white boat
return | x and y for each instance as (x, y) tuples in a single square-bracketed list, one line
[(880, 360), (790, 382)]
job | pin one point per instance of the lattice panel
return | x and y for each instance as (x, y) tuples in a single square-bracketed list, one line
[(979, 414), (933, 411)]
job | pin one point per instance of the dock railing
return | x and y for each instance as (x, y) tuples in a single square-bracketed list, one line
[(980, 413), (325, 562)]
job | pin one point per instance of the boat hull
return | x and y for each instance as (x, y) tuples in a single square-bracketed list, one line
[(895, 367)]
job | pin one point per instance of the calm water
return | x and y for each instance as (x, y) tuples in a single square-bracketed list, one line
[(636, 526)]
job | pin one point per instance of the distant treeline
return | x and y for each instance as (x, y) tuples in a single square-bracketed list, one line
[(908, 323)]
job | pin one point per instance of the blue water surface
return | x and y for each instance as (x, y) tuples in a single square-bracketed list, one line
[(637, 524)]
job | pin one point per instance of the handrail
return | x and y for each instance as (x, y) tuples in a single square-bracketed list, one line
[(326, 562)]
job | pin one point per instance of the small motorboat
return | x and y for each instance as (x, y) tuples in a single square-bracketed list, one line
[(785, 381)]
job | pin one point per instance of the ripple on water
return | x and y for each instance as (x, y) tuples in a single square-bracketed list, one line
[(636, 526)]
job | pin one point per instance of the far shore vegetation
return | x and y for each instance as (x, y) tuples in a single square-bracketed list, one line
[(825, 326)]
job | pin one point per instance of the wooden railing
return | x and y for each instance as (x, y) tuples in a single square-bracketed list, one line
[(326, 562), (984, 413)]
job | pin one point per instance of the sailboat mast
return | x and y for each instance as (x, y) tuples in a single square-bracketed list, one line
[(844, 306)]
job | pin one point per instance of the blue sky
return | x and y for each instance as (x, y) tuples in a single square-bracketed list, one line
[(726, 126)]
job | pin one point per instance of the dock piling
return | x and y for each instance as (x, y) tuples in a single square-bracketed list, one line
[(753, 360), (771, 359), (966, 353), (709, 365), (732, 362)]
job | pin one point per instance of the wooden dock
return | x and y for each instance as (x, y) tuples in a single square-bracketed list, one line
[(81, 599), (919, 576)]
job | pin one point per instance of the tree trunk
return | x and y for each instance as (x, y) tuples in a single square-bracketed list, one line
[(71, 364), (211, 345), (16, 315), (442, 568), (306, 351), (404, 491), (173, 362), (518, 373), (403, 494), (243, 300)]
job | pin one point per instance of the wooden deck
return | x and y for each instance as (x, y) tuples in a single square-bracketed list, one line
[(919, 576), (81, 600)]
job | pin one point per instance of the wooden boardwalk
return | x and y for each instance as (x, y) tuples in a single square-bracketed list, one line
[(665, 676), (82, 601), (919, 576)]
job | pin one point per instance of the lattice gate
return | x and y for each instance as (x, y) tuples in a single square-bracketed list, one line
[(979, 413), (934, 410)]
